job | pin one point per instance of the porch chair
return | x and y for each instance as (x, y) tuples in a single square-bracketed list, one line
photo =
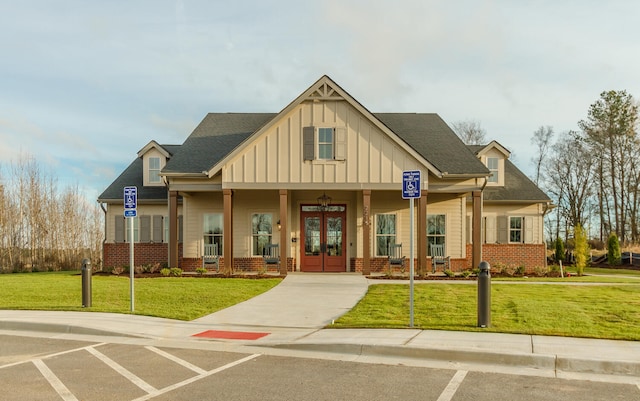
[(271, 256), (210, 256), (396, 258), (438, 258)]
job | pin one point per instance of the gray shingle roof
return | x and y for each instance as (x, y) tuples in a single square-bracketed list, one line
[(432, 138), (132, 176), (517, 186), (220, 133), (214, 138)]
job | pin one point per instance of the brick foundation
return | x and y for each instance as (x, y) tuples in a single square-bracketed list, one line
[(528, 255), (117, 254)]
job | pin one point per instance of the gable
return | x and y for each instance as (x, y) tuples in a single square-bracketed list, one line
[(363, 153)]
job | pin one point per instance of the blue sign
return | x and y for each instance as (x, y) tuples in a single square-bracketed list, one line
[(411, 184), (130, 201)]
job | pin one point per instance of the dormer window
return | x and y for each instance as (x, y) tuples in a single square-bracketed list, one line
[(154, 170), (493, 164)]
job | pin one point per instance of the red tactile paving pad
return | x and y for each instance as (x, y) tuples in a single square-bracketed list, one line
[(231, 335)]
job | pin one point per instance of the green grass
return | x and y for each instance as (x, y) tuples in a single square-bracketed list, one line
[(180, 298), (606, 311)]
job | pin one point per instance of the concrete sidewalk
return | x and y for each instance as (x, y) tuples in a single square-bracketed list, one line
[(292, 317)]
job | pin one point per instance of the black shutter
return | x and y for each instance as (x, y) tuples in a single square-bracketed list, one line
[(119, 228), (308, 143), (145, 228), (158, 228)]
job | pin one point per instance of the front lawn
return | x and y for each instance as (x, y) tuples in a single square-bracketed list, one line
[(183, 298), (600, 311)]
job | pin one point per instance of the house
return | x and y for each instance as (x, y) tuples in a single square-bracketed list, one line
[(322, 180)]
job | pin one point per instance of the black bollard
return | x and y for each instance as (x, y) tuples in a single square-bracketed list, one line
[(484, 295), (86, 283)]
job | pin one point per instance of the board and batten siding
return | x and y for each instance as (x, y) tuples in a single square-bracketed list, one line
[(276, 156)]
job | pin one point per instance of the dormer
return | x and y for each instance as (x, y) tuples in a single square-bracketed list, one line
[(154, 158), (493, 156)]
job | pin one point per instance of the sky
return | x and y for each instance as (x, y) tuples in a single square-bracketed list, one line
[(84, 85)]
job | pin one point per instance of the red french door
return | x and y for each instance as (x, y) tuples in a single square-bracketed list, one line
[(323, 239)]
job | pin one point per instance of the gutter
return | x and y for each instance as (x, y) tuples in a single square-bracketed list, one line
[(445, 174)]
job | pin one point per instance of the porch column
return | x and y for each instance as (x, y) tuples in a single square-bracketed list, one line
[(477, 229), (422, 233), (173, 229), (366, 232), (284, 227), (227, 236)]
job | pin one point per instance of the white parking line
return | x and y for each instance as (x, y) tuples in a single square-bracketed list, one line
[(123, 371), (453, 385), (177, 360), (57, 385), (196, 378)]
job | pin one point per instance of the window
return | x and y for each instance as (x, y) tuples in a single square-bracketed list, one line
[(154, 170), (385, 233), (261, 232), (492, 165), (324, 143), (136, 229), (515, 229), (212, 228), (436, 229)]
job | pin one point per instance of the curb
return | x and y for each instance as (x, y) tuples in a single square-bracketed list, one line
[(59, 328), (531, 361), (598, 366), (541, 362)]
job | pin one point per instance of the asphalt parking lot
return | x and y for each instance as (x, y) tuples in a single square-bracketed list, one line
[(34, 368)]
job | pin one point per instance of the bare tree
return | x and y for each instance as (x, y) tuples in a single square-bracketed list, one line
[(610, 128), (570, 171), (542, 141), (42, 227), (470, 131)]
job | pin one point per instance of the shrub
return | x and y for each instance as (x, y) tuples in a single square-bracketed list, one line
[(519, 271), (540, 271), (201, 270), (165, 272), (175, 271), (581, 250), (559, 255), (466, 273), (449, 273), (614, 256), (117, 270)]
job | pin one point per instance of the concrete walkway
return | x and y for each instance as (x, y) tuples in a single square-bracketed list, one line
[(291, 318), (302, 300)]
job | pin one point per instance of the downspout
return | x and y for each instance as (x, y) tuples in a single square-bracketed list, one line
[(547, 207), (104, 240)]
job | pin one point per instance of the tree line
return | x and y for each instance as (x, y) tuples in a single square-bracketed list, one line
[(592, 173), (44, 227)]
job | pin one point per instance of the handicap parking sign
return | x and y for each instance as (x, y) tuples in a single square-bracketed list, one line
[(411, 184)]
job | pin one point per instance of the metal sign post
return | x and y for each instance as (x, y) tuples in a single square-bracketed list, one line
[(411, 190), (130, 212)]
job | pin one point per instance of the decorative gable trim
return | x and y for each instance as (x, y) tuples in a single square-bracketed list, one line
[(325, 92)]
